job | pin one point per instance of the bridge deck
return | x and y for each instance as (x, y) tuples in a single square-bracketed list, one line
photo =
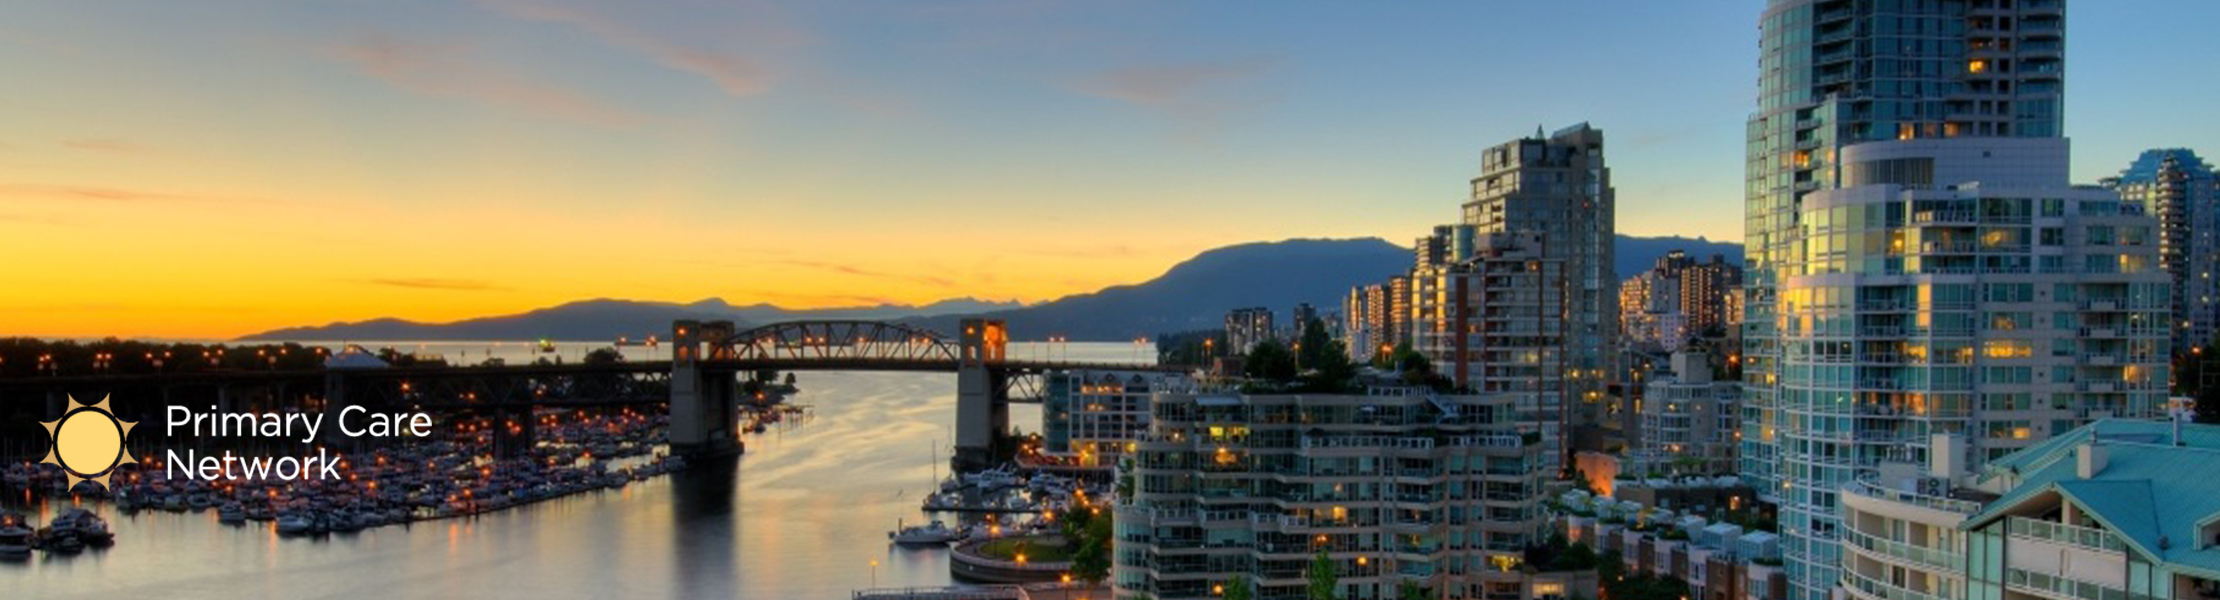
[(241, 377)]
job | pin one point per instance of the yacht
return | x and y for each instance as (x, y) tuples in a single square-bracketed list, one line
[(231, 514), (294, 524), (83, 525), (994, 479), (944, 501), (15, 538), (935, 534)]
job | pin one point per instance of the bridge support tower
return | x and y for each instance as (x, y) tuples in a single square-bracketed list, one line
[(705, 403), (982, 414)]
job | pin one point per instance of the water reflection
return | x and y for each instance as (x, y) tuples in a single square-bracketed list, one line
[(801, 515), (703, 528)]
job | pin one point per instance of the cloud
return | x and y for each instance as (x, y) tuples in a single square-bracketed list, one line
[(784, 299), (105, 145), (736, 75), (449, 285), (1194, 92), (108, 194), (861, 272), (449, 71)]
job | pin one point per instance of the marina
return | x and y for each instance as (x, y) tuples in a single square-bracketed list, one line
[(758, 523)]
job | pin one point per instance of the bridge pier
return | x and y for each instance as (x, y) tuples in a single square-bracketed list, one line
[(705, 410), (518, 444), (981, 413)]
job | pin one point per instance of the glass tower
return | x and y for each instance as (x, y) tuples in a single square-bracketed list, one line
[(1833, 74), (2182, 191)]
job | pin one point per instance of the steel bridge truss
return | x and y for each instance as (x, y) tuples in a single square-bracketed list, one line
[(855, 341)]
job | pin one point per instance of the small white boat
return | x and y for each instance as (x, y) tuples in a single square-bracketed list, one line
[(994, 479), (294, 524), (934, 534), (944, 501)]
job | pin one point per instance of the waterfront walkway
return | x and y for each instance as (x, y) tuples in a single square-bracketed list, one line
[(1036, 591)]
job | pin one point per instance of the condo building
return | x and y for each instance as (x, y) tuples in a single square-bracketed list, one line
[(1678, 299), (2181, 190), (1393, 486), (1917, 262), (1557, 190), (1688, 422), (1247, 327), (2115, 510), (1495, 320), (1091, 419)]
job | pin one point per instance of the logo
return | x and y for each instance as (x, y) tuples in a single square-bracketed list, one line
[(87, 442)]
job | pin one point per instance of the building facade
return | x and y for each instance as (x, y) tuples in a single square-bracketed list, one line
[(1557, 189), (1496, 322), (1689, 423), (1835, 75), (1247, 327), (2181, 190), (1091, 419), (1951, 286), (1393, 487), (2113, 510), (1678, 299)]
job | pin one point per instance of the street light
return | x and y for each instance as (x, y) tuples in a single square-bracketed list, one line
[(874, 572)]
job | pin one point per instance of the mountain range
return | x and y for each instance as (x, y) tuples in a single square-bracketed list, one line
[(1194, 294)]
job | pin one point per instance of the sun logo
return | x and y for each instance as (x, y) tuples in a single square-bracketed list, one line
[(87, 442)]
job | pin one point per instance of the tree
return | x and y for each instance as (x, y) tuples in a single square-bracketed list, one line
[(2191, 372), (1410, 590), (1327, 364), (1091, 562), (1324, 584), (1269, 360), (1239, 588), (1310, 348)]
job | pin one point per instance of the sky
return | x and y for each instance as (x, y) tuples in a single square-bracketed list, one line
[(216, 168)]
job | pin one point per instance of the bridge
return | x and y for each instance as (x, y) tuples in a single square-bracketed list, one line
[(701, 382)]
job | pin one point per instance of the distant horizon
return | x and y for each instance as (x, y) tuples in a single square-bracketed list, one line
[(730, 302)]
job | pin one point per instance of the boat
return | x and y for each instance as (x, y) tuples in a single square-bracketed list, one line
[(934, 534), (231, 514), (62, 541), (15, 537), (944, 501), (83, 525), (294, 524), (993, 479)]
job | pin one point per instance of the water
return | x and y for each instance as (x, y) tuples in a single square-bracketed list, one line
[(802, 515)]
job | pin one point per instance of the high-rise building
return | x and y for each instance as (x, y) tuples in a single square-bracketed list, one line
[(1687, 421), (1091, 419), (1439, 490), (1300, 318), (1368, 333), (1496, 322), (1558, 189), (2181, 190), (1246, 327), (1916, 260), (1398, 310), (1675, 300), (1951, 286)]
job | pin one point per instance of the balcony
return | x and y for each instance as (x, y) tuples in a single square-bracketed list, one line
[(1916, 555), (1867, 488)]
